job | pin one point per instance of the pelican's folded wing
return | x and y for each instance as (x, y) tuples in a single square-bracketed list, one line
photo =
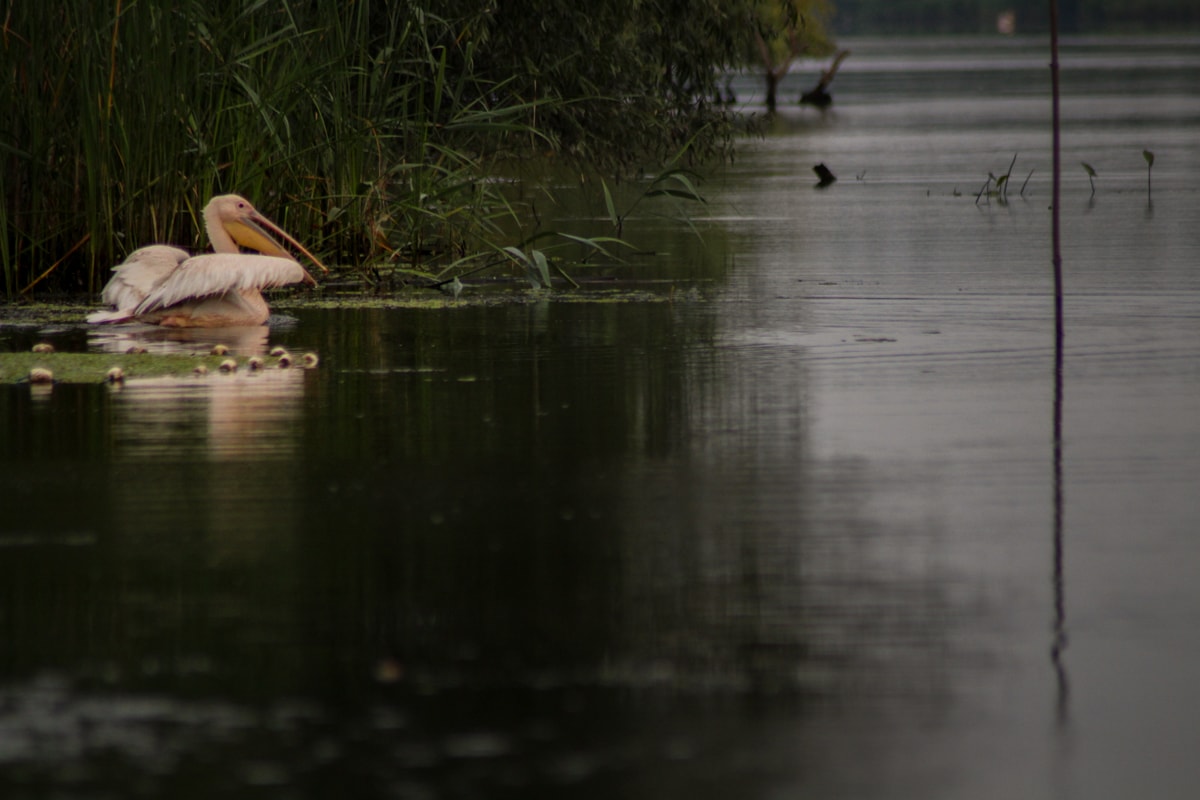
[(218, 273), (136, 277)]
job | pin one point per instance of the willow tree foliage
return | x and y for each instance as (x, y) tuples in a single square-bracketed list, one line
[(608, 82), (369, 128), (781, 31)]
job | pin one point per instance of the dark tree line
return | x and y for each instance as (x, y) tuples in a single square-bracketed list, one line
[(859, 17)]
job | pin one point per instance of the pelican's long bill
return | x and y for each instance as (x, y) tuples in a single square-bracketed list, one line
[(252, 230)]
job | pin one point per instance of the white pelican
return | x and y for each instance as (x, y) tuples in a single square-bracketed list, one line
[(163, 285)]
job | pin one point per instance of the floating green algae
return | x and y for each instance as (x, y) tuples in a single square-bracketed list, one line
[(95, 367)]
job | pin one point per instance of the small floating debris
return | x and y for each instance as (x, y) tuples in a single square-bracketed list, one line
[(310, 360), (115, 375), (228, 365), (824, 176), (41, 375), (389, 670), (254, 363), (219, 350), (285, 360), (136, 350), (277, 351), (199, 369), (43, 347)]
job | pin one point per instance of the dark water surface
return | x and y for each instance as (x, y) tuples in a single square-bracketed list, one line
[(789, 526)]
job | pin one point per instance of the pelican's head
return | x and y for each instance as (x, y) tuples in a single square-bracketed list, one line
[(242, 225)]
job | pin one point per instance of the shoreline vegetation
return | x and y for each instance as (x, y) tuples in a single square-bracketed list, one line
[(409, 144), (390, 137)]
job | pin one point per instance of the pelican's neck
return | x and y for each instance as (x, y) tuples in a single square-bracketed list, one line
[(221, 241)]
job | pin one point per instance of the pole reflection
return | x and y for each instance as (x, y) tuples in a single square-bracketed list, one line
[(1059, 645)]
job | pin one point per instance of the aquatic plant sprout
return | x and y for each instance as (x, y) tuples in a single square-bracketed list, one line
[(1149, 157), (1091, 173)]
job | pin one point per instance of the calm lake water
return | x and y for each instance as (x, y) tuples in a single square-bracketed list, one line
[(794, 523)]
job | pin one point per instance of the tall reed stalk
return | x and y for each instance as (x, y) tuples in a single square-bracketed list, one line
[(358, 126)]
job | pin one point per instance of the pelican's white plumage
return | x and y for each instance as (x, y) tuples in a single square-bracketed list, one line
[(163, 285), (219, 274), (141, 273), (134, 280)]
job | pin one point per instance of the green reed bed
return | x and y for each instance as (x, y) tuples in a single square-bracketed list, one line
[(123, 119), (373, 131)]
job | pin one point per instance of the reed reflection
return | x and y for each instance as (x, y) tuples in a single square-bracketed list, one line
[(1059, 643)]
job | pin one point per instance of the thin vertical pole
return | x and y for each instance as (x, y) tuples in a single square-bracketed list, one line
[(1057, 167), (1060, 613)]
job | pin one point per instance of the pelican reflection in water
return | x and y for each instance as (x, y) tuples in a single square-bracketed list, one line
[(164, 285)]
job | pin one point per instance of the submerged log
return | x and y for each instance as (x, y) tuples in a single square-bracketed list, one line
[(825, 176), (819, 95)]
